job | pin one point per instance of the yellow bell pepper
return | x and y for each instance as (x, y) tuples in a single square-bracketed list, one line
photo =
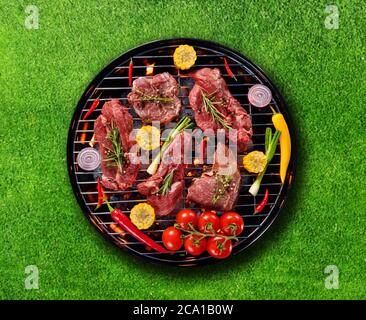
[(285, 143)]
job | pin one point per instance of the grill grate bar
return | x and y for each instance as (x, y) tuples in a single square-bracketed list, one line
[(173, 66), (128, 243), (254, 145), (242, 185), (225, 75), (162, 230), (124, 99), (230, 85), (109, 192), (85, 110), (189, 168), (242, 215), (87, 141), (190, 178), (170, 56), (133, 201), (128, 211), (136, 191)]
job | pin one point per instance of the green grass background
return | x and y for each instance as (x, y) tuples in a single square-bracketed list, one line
[(320, 72)]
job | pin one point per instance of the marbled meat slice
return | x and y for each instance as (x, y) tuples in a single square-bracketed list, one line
[(210, 82), (173, 159), (156, 98), (115, 115), (218, 188)]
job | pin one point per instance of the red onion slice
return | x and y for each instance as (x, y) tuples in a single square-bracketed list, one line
[(259, 95), (88, 159)]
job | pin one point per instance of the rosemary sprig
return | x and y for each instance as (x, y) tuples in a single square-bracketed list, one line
[(210, 108), (145, 97), (223, 182), (167, 183), (156, 98), (115, 156)]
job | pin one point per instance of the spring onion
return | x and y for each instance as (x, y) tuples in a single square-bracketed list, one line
[(183, 123), (270, 148)]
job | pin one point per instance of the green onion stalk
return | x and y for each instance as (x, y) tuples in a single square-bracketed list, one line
[(270, 148), (184, 123)]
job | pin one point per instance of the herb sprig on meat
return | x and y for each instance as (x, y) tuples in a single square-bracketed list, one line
[(209, 105), (223, 183), (145, 97), (115, 156), (167, 183)]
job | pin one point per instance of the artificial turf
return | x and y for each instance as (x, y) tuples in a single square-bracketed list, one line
[(321, 74)]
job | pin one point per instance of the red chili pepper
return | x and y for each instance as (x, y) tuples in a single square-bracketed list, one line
[(101, 196), (92, 108), (130, 69), (126, 224), (228, 70), (263, 203)]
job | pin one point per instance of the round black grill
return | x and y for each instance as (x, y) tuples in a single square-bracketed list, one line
[(112, 82)]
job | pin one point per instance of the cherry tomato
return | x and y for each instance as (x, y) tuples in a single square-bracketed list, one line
[(218, 247), (231, 223), (172, 238), (186, 216), (208, 222), (195, 245)]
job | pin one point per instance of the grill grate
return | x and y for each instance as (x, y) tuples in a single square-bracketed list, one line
[(112, 82)]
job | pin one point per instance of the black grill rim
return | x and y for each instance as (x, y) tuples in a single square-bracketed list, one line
[(283, 194)]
